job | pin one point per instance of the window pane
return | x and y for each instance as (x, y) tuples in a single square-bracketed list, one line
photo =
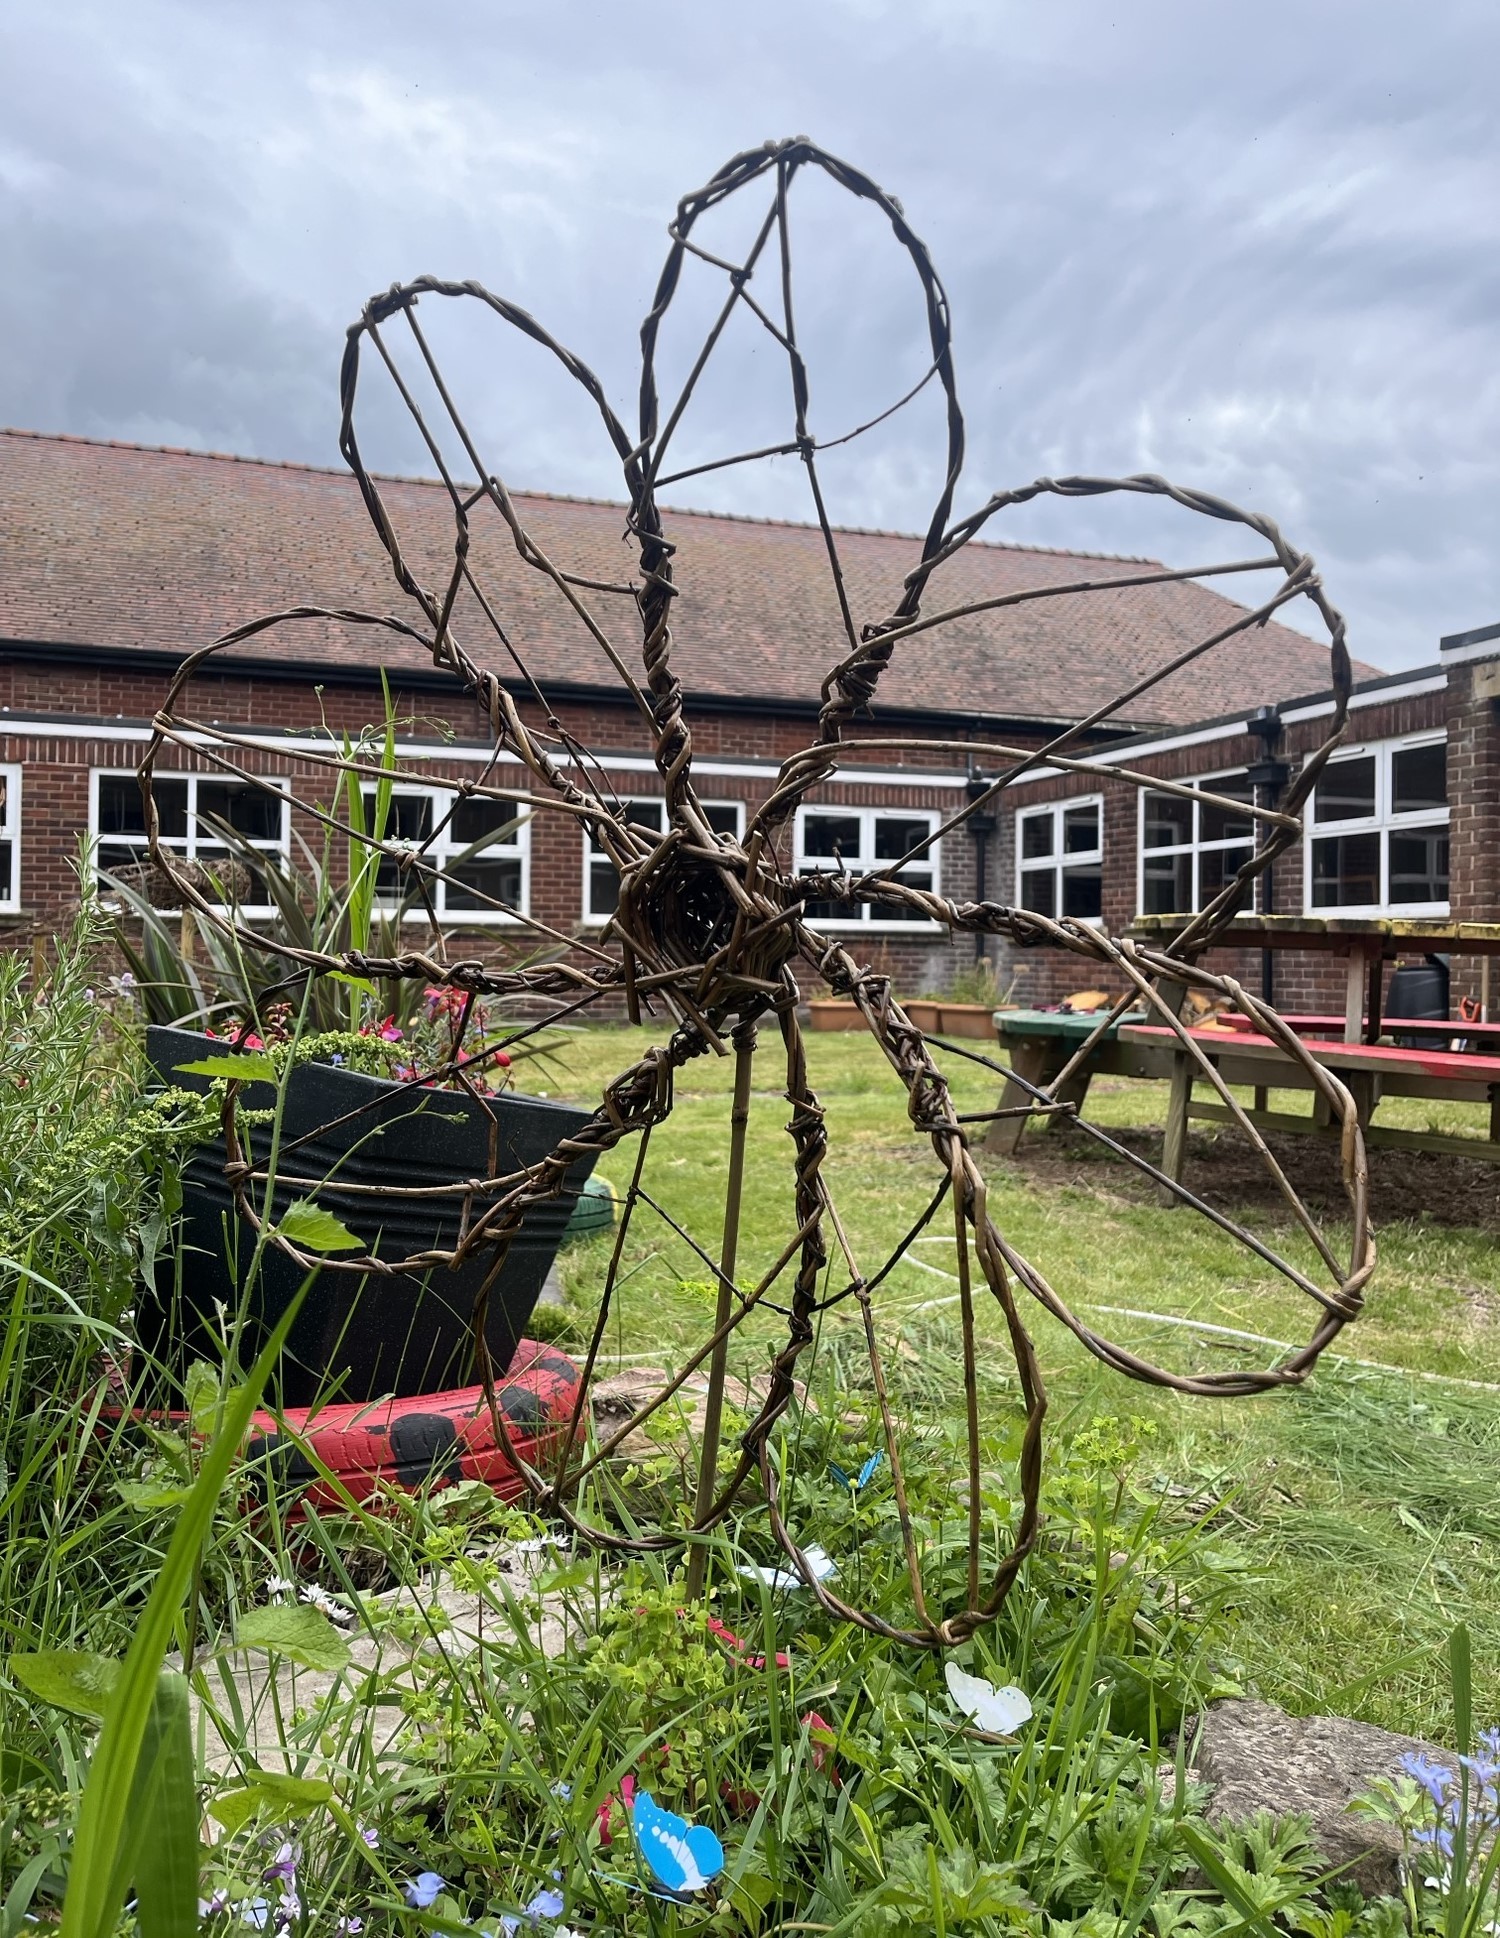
[(475, 818), (6, 891), (1419, 778), (1217, 866), (898, 835), (1036, 835), (473, 882), (914, 878), (251, 811), (1083, 890), (832, 837), (1419, 865), (650, 816), (723, 817), (1346, 871), (1080, 830), (1346, 791), (115, 856), (1167, 887), (1169, 821), (604, 888), (121, 810), (1223, 824), (408, 817), (1039, 890)]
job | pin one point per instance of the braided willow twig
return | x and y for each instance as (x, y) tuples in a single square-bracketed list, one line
[(712, 931)]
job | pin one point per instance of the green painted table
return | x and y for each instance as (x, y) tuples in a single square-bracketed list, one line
[(1039, 1044)]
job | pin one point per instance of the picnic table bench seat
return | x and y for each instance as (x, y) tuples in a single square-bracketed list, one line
[(1369, 1071), (1040, 1045)]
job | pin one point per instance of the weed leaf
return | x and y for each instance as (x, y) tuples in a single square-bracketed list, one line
[(70, 1679), (299, 1632), (244, 1066), (315, 1230)]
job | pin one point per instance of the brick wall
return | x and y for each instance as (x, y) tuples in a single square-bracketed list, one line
[(56, 769)]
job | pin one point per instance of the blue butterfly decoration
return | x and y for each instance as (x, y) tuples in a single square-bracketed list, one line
[(856, 1482), (683, 1857)]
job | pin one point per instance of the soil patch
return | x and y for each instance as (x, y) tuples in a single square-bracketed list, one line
[(1420, 1186)]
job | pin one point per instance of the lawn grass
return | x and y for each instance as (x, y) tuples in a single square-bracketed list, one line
[(1368, 1503)]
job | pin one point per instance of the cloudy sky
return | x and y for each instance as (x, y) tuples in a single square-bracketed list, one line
[(1252, 247)]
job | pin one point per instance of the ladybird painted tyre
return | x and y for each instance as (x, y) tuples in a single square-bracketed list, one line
[(431, 1439)]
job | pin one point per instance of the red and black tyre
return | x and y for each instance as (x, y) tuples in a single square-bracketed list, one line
[(431, 1439)]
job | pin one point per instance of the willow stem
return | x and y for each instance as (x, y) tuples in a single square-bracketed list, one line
[(713, 1406)]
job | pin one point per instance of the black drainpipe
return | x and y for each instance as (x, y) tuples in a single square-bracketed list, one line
[(1268, 776), (982, 825)]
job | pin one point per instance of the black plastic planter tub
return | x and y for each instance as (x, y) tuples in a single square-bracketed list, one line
[(359, 1335)]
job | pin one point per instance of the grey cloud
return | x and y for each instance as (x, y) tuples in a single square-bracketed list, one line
[(1254, 250)]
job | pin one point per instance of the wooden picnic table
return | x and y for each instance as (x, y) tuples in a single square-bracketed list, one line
[(1369, 942), (1039, 1043), (1369, 1071)]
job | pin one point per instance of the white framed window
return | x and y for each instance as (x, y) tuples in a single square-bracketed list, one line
[(10, 838), (1060, 859), (857, 841), (474, 883), (190, 809), (601, 882), (1190, 849), (1377, 830)]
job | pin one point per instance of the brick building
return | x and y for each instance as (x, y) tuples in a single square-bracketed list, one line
[(116, 561), (1405, 821)]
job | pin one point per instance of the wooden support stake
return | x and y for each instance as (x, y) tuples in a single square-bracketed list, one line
[(713, 1406), (1174, 1147)]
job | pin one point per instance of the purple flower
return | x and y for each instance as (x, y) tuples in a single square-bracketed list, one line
[(215, 1906), (1439, 1839), (422, 1890), (284, 1864), (1435, 1778), (546, 1904), (368, 1834), (348, 1927)]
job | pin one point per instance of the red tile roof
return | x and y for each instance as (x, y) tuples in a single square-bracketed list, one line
[(127, 547)]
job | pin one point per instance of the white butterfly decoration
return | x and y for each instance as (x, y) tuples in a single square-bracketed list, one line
[(820, 1566), (1000, 1711)]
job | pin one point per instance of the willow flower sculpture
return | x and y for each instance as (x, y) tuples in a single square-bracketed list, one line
[(713, 936)]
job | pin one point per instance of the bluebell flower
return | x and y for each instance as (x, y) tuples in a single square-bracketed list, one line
[(1440, 1839), (422, 1890), (1435, 1778)]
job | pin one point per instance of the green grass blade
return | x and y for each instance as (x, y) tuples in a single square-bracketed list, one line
[(164, 1839), (91, 1908)]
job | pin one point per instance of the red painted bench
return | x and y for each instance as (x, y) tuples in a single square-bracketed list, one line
[(1369, 1071)]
